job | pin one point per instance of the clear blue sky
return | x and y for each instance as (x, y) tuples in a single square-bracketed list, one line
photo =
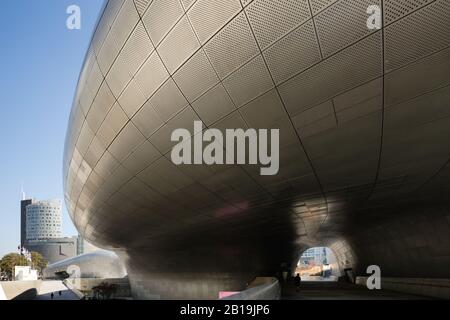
[(40, 62)]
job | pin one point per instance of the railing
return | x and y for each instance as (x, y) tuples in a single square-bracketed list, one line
[(259, 289), (72, 288)]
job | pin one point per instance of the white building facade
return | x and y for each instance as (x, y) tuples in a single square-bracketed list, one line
[(44, 220)]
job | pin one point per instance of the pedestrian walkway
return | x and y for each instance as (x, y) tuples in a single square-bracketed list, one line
[(47, 287)]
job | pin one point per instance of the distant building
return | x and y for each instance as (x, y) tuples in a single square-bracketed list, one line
[(23, 220), (54, 250), (25, 273), (84, 247), (41, 230), (315, 256), (319, 259), (43, 220)]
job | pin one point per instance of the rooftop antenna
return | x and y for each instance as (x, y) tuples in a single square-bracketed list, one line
[(23, 193)]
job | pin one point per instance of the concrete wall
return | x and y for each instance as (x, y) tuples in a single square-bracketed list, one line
[(19, 290), (54, 250)]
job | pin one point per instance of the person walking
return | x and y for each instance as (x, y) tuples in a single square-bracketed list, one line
[(297, 282), (52, 295)]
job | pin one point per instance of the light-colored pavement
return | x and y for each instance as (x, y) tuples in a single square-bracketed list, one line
[(47, 287), (2, 293), (319, 279)]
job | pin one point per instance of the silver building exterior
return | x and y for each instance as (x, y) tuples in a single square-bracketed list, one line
[(364, 123), (96, 264), (84, 247), (44, 220)]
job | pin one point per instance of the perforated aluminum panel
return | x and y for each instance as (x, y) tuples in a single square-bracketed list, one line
[(232, 46), (207, 17), (109, 15), (405, 83), (161, 16), (271, 20), (131, 56), (319, 5), (168, 100), (100, 107), (293, 53), (124, 22), (187, 3), (179, 45), (311, 69), (417, 35), (132, 98), (315, 120), (396, 9), (142, 5), (343, 24), (151, 75), (147, 120), (198, 67), (361, 62), (216, 97), (248, 82)]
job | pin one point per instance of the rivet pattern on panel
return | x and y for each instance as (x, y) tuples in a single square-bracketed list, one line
[(248, 82), (141, 5), (207, 16), (161, 16), (232, 46), (417, 35), (273, 19), (319, 5), (199, 68), (347, 69), (293, 53), (395, 9), (343, 24)]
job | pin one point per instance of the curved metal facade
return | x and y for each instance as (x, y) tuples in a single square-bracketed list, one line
[(364, 125), (98, 264)]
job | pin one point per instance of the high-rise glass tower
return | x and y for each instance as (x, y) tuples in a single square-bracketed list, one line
[(23, 220)]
